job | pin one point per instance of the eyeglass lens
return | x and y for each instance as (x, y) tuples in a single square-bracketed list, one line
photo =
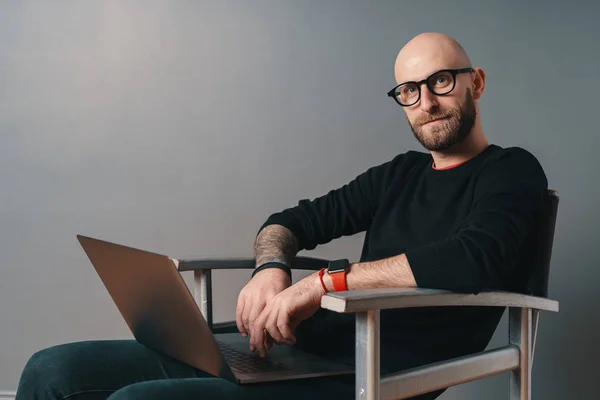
[(440, 83)]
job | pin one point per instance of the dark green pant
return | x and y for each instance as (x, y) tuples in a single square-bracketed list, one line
[(125, 369)]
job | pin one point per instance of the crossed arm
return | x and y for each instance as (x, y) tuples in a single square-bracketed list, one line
[(270, 308), (481, 253)]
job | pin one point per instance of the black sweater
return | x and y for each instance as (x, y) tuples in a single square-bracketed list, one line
[(461, 229)]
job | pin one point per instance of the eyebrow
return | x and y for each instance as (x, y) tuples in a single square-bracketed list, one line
[(426, 76)]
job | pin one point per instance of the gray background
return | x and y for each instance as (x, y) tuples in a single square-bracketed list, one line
[(179, 126)]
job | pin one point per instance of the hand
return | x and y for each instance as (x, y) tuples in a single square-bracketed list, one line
[(285, 312), (255, 295)]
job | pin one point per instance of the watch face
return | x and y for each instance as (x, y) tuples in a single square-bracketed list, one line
[(337, 266)]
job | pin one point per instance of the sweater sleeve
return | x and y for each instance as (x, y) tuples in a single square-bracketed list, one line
[(341, 212), (482, 253)]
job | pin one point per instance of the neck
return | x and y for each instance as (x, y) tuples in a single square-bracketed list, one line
[(474, 144)]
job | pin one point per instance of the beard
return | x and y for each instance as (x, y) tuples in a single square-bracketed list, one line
[(453, 130)]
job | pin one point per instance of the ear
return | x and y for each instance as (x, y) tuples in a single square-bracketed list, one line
[(478, 83)]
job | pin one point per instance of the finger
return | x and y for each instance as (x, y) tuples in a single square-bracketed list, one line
[(271, 326), (251, 311), (256, 334), (259, 331), (268, 341), (274, 329), (262, 340), (239, 311), (257, 307), (283, 326)]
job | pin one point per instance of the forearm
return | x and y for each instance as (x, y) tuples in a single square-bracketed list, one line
[(275, 243), (390, 272)]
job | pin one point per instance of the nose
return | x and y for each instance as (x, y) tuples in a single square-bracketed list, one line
[(429, 100)]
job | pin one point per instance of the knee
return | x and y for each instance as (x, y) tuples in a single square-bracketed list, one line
[(45, 373), (37, 381), (184, 388), (138, 391)]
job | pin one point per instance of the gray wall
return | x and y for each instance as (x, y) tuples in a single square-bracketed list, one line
[(178, 126)]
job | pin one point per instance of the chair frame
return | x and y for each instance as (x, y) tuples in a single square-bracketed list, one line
[(516, 357)]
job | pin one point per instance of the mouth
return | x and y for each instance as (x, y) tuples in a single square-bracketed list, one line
[(436, 121)]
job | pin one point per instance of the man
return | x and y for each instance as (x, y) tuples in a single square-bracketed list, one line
[(454, 218)]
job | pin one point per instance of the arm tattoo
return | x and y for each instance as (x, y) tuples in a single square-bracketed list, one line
[(275, 243)]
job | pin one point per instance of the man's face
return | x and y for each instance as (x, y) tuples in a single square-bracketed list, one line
[(440, 122)]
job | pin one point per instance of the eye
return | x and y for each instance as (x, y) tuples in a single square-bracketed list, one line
[(441, 80), (408, 90)]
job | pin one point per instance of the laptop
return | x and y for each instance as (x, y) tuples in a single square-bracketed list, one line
[(161, 313)]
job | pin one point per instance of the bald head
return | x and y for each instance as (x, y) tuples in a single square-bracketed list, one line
[(443, 112), (427, 53)]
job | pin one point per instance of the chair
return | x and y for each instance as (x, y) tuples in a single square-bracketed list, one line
[(516, 357)]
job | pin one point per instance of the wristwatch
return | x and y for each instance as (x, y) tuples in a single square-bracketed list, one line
[(338, 269)]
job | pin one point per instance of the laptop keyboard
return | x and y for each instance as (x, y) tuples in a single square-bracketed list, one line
[(249, 363)]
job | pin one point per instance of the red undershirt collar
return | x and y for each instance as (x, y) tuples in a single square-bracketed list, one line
[(448, 167)]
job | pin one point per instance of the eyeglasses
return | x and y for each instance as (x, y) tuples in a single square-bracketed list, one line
[(440, 83)]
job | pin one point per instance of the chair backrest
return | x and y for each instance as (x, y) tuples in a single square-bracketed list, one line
[(538, 247)]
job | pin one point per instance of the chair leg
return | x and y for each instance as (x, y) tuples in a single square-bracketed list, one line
[(519, 327), (203, 293), (367, 355), (535, 315)]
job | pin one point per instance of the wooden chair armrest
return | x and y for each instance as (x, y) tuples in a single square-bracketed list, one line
[(379, 299)]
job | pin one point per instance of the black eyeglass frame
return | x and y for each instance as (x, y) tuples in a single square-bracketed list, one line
[(453, 72)]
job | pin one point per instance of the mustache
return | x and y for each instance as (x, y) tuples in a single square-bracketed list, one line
[(423, 119)]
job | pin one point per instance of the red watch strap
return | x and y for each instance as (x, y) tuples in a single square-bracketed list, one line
[(339, 281), (321, 272)]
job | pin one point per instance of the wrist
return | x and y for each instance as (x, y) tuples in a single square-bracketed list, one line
[(320, 282), (324, 281), (327, 282), (274, 275), (273, 266)]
